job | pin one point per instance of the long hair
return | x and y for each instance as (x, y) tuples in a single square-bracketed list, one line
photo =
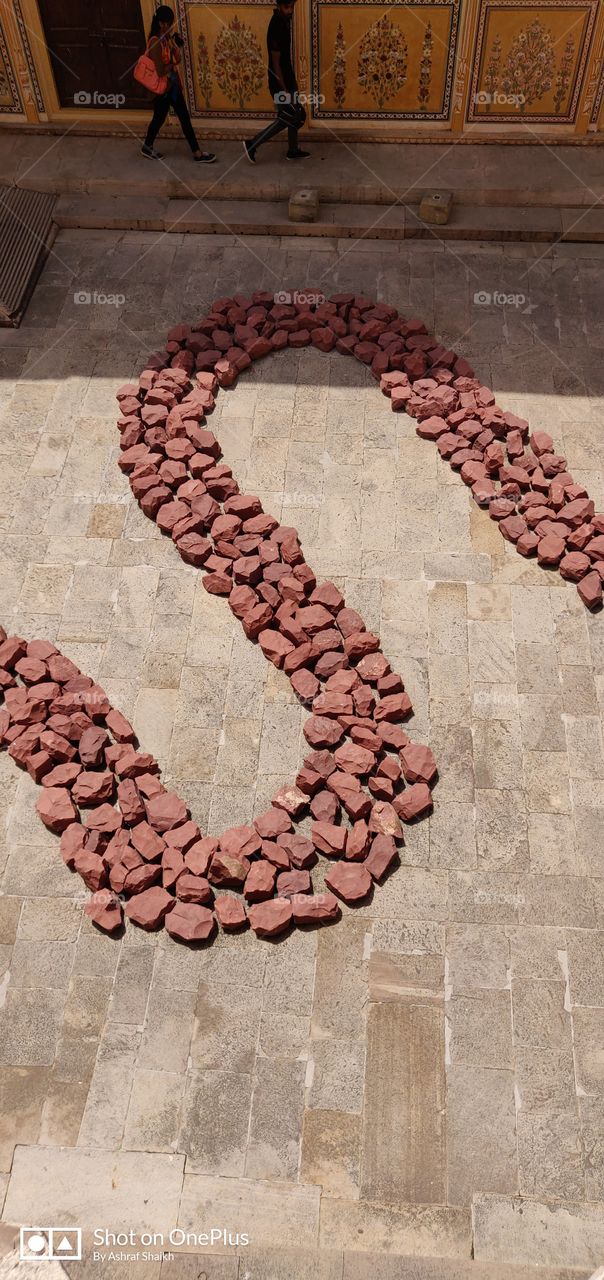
[(162, 14)]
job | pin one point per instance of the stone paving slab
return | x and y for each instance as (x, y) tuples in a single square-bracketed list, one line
[(494, 921)]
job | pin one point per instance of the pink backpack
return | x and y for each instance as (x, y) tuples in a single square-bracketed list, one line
[(146, 74)]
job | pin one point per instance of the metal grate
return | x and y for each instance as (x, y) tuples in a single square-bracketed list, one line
[(26, 234)]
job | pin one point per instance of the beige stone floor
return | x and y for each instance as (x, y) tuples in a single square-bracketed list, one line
[(390, 1087)]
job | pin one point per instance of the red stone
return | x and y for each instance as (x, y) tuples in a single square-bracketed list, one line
[(354, 760), (550, 549), (260, 881), (91, 746), (139, 878), (381, 856), (329, 839), (268, 919), (130, 802), (574, 565), (56, 809), (165, 811), (324, 807), (147, 842), (226, 869), (414, 801), (241, 841), (172, 866), (384, 820), (274, 646), (373, 667), (188, 922), (190, 888), (150, 908), (418, 763), (350, 622), (301, 852), (92, 788), (63, 775), (590, 590), (105, 911), (321, 732), (199, 855), (292, 882), (230, 912), (103, 818), (315, 908), (351, 881), (292, 800), (273, 823)]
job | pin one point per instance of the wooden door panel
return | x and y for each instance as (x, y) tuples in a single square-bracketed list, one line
[(93, 48)]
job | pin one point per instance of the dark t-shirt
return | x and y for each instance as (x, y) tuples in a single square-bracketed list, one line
[(279, 40)]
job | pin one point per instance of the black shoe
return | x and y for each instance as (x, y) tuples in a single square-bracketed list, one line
[(150, 153), (298, 154), (250, 153), (206, 157)]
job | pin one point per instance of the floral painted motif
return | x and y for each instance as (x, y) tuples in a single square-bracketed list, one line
[(425, 69), (564, 72), (383, 61), (491, 79), (238, 63), (204, 70), (339, 67), (530, 66)]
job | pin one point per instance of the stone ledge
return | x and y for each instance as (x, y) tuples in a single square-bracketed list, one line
[(537, 1233)]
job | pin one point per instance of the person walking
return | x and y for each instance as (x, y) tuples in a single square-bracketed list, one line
[(282, 85), (163, 48)]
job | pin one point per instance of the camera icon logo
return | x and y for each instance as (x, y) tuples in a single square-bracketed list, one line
[(50, 1244), (482, 299), (82, 98), (82, 299)]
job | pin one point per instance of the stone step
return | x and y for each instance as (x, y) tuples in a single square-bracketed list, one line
[(357, 173), (335, 221)]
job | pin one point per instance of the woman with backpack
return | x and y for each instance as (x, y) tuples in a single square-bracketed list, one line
[(158, 71)]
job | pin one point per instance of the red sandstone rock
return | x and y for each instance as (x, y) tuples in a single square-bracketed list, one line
[(242, 841), (199, 855), (56, 809), (268, 919), (381, 856), (384, 820), (146, 841), (418, 763), (550, 549), (226, 869), (119, 727), (230, 912), (574, 565), (324, 806), (260, 881), (172, 866), (320, 908), (414, 802), (329, 839), (394, 707), (63, 775), (305, 684), (351, 881), (293, 882), (354, 760), (292, 800), (527, 543), (188, 922), (165, 811), (139, 878), (590, 590), (358, 839), (91, 746), (190, 888), (321, 732), (91, 788), (150, 908), (350, 622), (273, 823), (105, 911), (301, 852), (274, 646)]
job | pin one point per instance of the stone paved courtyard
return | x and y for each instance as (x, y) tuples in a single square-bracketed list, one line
[(390, 1087)]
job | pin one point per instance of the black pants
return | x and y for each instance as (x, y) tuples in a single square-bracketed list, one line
[(290, 116), (163, 102)]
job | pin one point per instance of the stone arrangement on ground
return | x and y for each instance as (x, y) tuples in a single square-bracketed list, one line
[(132, 841)]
